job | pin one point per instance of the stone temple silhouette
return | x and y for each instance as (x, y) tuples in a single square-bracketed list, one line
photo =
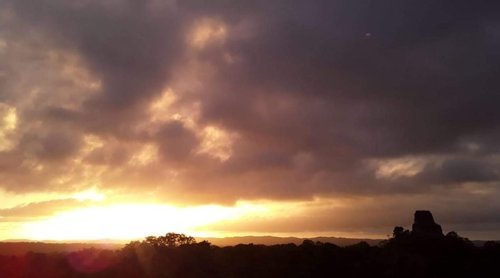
[(424, 225)]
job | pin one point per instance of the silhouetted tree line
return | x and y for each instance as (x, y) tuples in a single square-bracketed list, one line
[(177, 255)]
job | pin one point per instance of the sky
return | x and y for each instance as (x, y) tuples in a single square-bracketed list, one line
[(122, 118)]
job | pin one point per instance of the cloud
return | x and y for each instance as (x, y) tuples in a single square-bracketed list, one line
[(460, 170), (37, 210), (176, 141), (261, 100)]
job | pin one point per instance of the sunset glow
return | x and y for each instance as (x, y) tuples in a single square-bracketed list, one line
[(132, 221), (123, 119)]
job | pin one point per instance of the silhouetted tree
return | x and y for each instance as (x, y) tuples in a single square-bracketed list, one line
[(169, 240), (400, 233)]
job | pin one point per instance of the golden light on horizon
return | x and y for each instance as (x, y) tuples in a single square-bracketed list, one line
[(130, 221), (91, 194)]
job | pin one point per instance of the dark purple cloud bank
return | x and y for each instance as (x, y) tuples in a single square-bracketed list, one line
[(321, 98)]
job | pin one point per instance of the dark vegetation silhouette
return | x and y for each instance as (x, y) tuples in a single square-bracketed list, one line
[(416, 253)]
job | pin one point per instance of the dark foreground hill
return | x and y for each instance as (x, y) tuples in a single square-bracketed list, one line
[(173, 255)]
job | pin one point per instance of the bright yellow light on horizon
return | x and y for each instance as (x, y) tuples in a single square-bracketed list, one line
[(130, 221), (91, 194)]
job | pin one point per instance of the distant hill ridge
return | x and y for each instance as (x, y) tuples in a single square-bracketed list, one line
[(272, 240), (21, 246)]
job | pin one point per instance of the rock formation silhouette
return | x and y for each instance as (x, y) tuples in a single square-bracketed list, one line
[(424, 225)]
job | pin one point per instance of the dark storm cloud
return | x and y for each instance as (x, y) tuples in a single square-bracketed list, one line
[(128, 45), (57, 145), (458, 171), (110, 155), (350, 81), (424, 77), (312, 89), (176, 142)]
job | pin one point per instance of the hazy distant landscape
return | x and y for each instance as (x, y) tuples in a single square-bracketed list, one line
[(423, 251), (19, 247)]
